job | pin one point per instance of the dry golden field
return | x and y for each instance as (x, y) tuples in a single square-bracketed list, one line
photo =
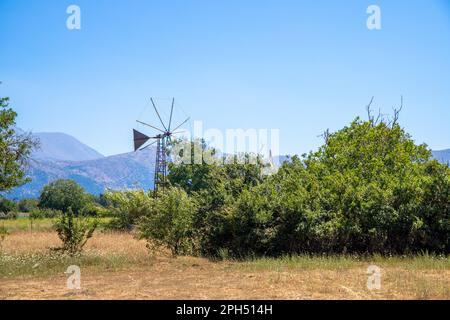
[(117, 266)]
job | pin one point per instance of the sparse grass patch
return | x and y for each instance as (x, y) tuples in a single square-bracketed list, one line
[(341, 262), (25, 224), (115, 265), (46, 264), (305, 262)]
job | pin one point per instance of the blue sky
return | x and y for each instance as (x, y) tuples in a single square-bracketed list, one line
[(300, 66)]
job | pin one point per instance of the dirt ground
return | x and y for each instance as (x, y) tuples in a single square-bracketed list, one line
[(142, 276)]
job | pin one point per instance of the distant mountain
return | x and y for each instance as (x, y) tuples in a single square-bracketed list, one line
[(442, 155), (61, 156), (61, 146), (129, 170)]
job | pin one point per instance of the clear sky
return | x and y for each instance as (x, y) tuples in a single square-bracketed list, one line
[(299, 66)]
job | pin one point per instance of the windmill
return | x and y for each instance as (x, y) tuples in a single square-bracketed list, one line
[(163, 139)]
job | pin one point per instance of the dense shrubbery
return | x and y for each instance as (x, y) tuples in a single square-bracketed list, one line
[(169, 222), (368, 189), (127, 207)]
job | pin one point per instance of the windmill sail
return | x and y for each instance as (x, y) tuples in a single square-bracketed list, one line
[(139, 139)]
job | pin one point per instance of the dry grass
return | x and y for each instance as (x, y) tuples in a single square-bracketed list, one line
[(117, 266)]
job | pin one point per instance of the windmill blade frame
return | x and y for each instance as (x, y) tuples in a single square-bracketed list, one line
[(171, 112), (149, 125), (157, 113), (149, 145), (182, 123)]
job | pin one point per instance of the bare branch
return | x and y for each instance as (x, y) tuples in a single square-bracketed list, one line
[(397, 112), (369, 112)]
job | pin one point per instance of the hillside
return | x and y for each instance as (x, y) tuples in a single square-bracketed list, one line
[(61, 146), (61, 156), (129, 170)]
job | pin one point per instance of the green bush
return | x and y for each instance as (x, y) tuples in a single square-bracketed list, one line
[(127, 207), (74, 232), (170, 223), (62, 195), (94, 210)]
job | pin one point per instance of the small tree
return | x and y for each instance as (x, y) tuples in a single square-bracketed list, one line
[(15, 149), (63, 194), (74, 232)]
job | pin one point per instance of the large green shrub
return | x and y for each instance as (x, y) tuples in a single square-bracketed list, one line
[(170, 222), (127, 207), (368, 189)]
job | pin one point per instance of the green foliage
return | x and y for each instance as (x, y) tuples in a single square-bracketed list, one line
[(92, 209), (27, 205), (170, 222), (64, 194), (7, 206), (15, 149), (74, 232), (38, 214), (127, 207), (368, 189), (214, 188)]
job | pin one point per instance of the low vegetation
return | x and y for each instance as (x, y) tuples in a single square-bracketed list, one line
[(115, 265), (74, 232)]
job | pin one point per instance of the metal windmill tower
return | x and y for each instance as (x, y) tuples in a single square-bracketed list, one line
[(163, 140)]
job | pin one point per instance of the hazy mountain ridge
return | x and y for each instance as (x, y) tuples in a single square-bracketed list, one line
[(129, 170), (61, 146), (61, 156)]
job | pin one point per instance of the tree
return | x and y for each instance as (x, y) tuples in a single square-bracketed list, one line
[(15, 149), (63, 194)]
